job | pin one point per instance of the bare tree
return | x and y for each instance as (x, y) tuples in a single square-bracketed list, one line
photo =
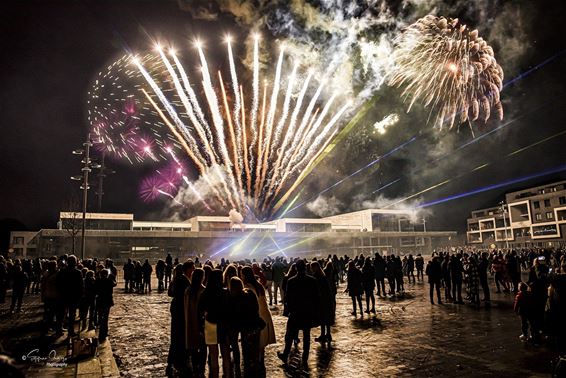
[(72, 221)]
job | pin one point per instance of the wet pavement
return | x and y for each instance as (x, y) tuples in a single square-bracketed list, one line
[(407, 337)]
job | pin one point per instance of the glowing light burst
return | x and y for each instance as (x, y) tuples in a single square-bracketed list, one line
[(382, 126), (152, 187), (450, 68), (123, 123), (260, 149)]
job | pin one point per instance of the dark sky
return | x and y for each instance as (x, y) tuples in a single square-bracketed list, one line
[(52, 50)]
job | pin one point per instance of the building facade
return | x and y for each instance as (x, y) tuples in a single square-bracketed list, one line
[(531, 217), (120, 236)]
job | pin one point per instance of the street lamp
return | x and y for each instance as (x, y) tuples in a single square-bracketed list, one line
[(504, 210), (86, 169)]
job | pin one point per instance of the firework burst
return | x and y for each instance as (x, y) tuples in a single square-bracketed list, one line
[(259, 136), (450, 69)]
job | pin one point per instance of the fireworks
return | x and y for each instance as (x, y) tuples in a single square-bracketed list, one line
[(257, 139), (449, 68), (123, 122)]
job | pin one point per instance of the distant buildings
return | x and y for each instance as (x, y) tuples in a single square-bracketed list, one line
[(119, 236), (529, 217)]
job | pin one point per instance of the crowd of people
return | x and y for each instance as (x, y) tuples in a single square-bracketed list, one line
[(67, 287), (222, 310)]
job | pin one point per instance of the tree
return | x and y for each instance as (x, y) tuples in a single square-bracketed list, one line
[(72, 220)]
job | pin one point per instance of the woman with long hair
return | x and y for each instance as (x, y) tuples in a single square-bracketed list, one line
[(214, 305), (245, 320), (229, 272), (267, 335), (326, 309), (194, 323)]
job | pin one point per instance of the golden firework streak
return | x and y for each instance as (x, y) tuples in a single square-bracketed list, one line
[(185, 146), (329, 147)]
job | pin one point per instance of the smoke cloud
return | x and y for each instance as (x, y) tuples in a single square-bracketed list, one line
[(325, 206)]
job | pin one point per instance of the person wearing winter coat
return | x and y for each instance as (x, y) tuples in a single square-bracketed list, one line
[(355, 287), (327, 310), (369, 284), (104, 301), (434, 272), (302, 298), (246, 321)]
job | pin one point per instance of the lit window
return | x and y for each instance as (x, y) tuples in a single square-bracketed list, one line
[(549, 215), (538, 216)]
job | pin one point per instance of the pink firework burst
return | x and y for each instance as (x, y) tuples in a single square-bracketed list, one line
[(154, 186)]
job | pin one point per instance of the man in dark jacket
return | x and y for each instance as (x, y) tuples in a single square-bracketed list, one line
[(434, 273), (104, 300), (379, 270), (302, 300), (419, 265), (128, 275), (70, 286)]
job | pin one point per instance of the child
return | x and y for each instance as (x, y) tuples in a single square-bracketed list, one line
[(523, 307)]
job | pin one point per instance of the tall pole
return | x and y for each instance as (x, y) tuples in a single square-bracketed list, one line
[(101, 175), (86, 170), (505, 223)]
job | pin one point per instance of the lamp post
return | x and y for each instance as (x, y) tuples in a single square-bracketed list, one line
[(86, 169), (504, 211)]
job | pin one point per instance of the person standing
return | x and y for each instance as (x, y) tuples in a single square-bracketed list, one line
[(411, 269), (19, 283), (473, 281), (104, 300), (70, 286), (355, 287), (368, 283), (446, 278), (168, 269), (419, 265), (128, 276), (326, 303), (160, 274), (434, 273), (177, 350), (246, 321), (49, 295), (194, 324), (302, 298), (390, 273), (214, 304), (147, 270), (89, 300), (268, 273), (267, 335), (456, 274), (278, 273), (482, 273), (379, 271)]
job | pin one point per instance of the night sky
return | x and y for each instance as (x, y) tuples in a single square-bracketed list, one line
[(52, 50)]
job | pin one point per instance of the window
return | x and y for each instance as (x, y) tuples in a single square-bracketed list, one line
[(562, 200), (18, 240), (549, 215), (538, 216), (536, 204), (546, 203)]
